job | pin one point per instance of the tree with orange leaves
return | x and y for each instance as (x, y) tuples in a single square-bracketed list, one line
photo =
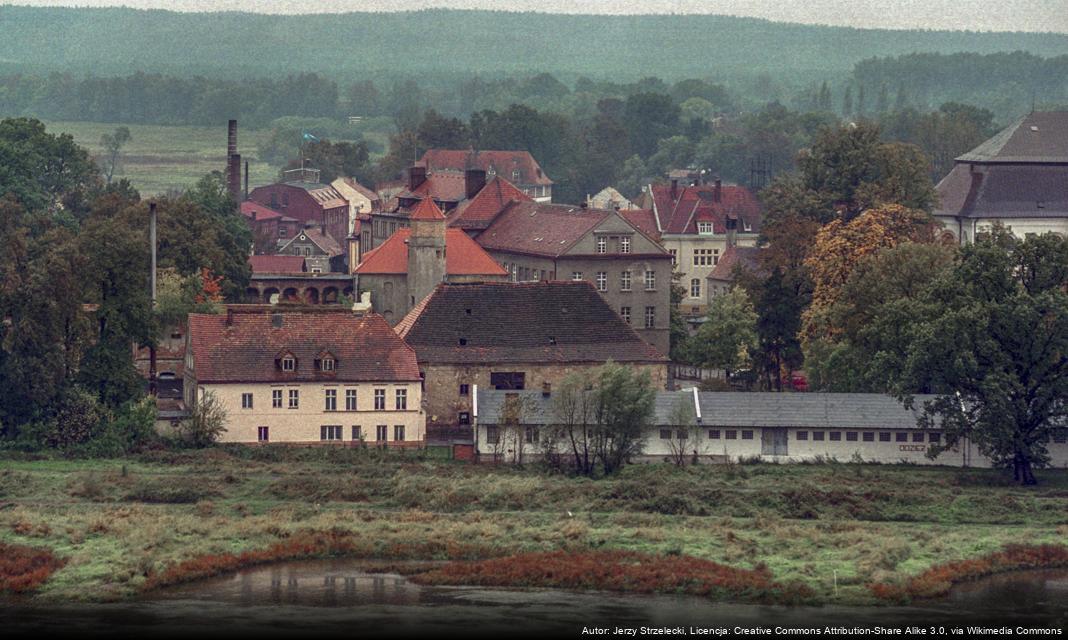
[(210, 288)]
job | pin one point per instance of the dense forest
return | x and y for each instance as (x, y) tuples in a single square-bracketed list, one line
[(119, 41)]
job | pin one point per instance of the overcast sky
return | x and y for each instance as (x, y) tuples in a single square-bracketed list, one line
[(977, 15)]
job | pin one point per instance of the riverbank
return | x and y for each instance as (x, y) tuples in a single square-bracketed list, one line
[(831, 529)]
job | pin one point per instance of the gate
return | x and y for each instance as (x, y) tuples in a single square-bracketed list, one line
[(773, 442)]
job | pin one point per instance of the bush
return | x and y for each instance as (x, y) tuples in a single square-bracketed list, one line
[(23, 569), (205, 424)]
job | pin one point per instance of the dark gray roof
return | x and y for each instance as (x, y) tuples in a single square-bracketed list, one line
[(1005, 191), (740, 409), (1040, 137)]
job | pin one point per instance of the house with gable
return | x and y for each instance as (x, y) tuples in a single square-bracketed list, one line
[(518, 167)]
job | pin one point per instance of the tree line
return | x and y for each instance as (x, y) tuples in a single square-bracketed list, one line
[(74, 294)]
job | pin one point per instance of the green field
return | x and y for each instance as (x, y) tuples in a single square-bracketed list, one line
[(117, 522), (162, 158)]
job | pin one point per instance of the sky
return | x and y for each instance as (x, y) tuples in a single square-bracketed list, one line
[(976, 15)]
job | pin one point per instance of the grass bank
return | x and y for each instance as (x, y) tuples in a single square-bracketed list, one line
[(122, 526)]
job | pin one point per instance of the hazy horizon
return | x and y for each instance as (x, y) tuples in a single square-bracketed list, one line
[(1035, 16)]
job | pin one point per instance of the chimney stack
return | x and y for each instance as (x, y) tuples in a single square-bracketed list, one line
[(416, 177), (233, 177), (674, 188), (732, 231), (474, 180), (231, 138), (718, 190), (246, 179)]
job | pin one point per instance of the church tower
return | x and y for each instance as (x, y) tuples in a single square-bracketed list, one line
[(426, 251)]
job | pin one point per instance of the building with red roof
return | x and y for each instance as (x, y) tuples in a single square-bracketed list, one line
[(305, 374), (697, 222), (311, 203), (275, 264), (407, 267), (518, 167)]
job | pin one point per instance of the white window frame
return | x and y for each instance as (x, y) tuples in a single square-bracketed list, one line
[(650, 280), (330, 400), (576, 276), (294, 398), (602, 281), (624, 280), (602, 244), (695, 287), (624, 244), (246, 400)]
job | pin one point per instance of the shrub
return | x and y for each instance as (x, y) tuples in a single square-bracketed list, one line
[(170, 491), (24, 569)]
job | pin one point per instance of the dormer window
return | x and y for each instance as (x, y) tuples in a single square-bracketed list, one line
[(704, 227), (328, 364), (746, 226), (289, 363)]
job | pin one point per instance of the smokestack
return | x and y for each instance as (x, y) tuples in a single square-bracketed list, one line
[(416, 177), (233, 175), (674, 188), (246, 179), (474, 180)]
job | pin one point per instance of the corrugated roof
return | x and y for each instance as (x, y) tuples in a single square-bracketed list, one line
[(243, 346)]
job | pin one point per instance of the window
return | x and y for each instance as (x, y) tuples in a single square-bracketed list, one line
[(515, 273), (836, 436), (624, 244), (935, 437), (802, 435), (917, 437), (398, 433), (674, 256), (381, 433), (602, 244), (884, 436), (713, 434), (901, 436), (602, 281), (357, 432), (507, 380), (731, 434), (869, 436), (326, 364), (704, 227), (695, 288), (493, 435), (294, 398), (246, 400), (464, 418), (330, 432), (650, 317), (331, 400), (624, 281), (316, 270), (747, 435), (276, 398), (350, 399), (289, 363), (465, 389), (851, 436), (705, 257), (282, 232), (817, 435), (624, 312), (576, 275), (650, 280), (307, 251), (665, 434), (400, 402), (380, 399), (530, 435), (263, 434)]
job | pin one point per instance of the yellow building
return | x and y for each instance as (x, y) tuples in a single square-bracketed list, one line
[(306, 375)]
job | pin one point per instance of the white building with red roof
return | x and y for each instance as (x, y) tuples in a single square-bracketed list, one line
[(305, 375), (697, 223)]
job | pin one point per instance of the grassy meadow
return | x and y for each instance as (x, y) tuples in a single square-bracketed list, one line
[(121, 524), (161, 158)]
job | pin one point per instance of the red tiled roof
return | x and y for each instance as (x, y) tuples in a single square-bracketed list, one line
[(693, 204), (540, 229), (443, 186), (427, 210), (643, 219), (502, 163), (277, 264), (479, 212), (262, 212), (745, 258), (573, 324), (463, 256), (366, 348)]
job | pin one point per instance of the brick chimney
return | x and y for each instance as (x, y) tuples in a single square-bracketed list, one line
[(732, 231), (233, 176), (416, 177), (717, 191), (674, 188), (474, 180)]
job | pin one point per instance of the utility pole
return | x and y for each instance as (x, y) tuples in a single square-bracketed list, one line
[(152, 345)]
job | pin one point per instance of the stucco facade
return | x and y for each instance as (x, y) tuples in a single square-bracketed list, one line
[(304, 423), (695, 256)]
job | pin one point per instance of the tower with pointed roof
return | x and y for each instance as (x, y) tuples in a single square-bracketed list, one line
[(426, 250)]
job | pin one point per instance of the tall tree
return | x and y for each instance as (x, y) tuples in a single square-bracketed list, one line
[(113, 144), (728, 337)]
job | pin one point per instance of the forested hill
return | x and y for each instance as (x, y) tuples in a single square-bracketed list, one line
[(121, 40)]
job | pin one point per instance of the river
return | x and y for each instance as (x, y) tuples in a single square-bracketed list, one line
[(331, 598)]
